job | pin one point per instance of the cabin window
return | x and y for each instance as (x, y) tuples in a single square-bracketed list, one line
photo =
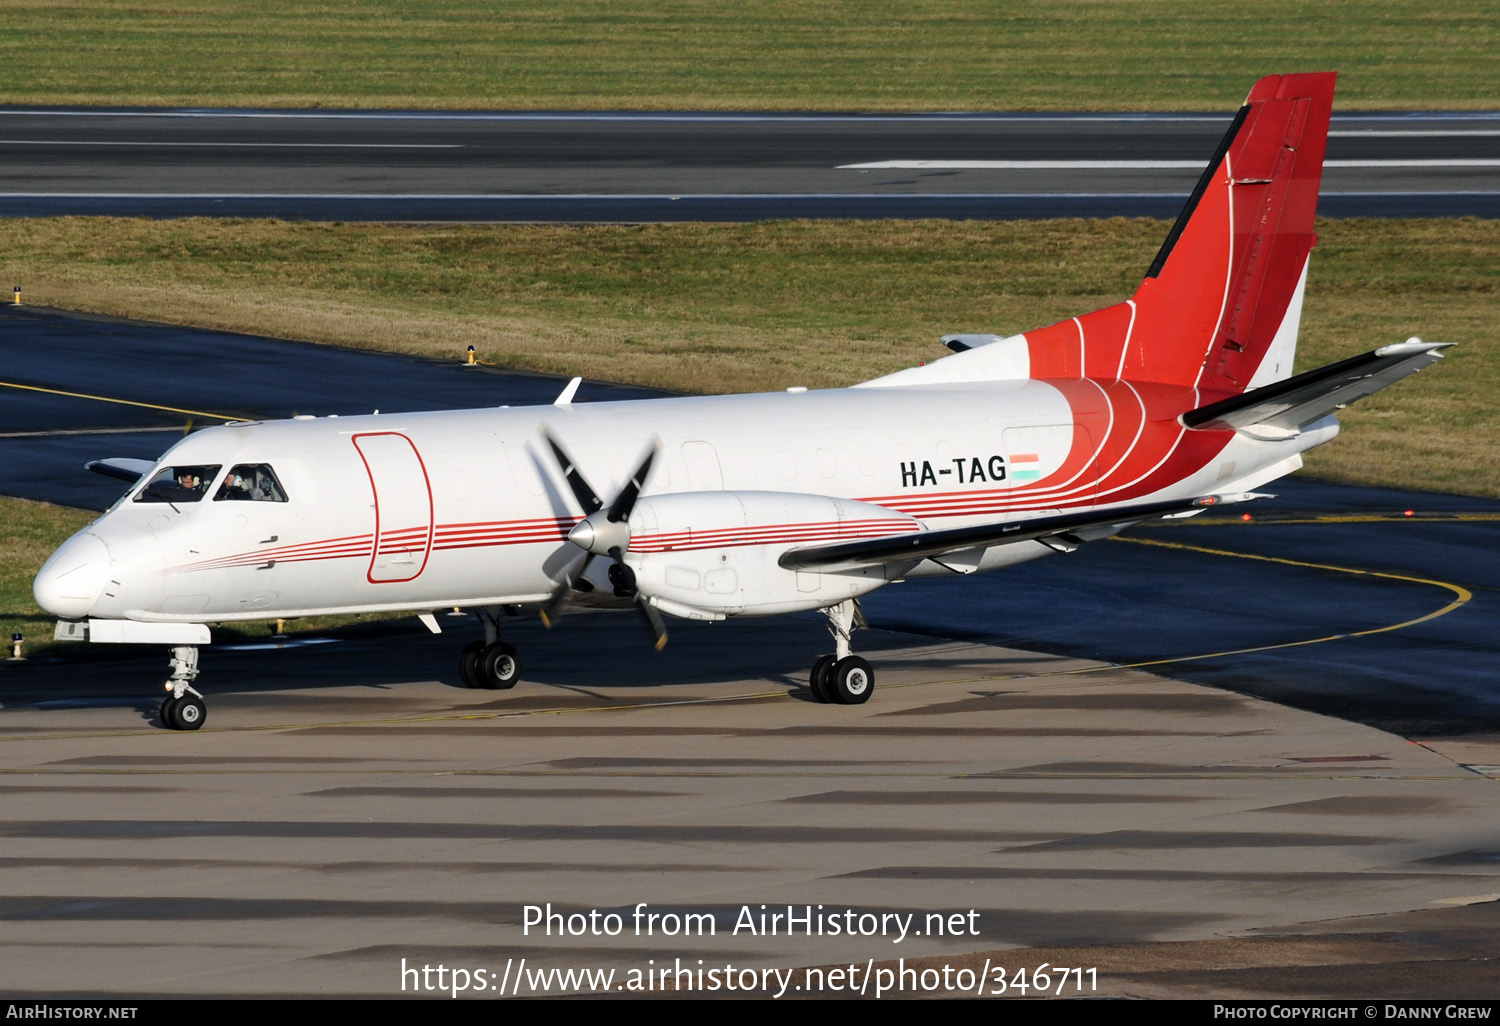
[(250, 482), (179, 484)]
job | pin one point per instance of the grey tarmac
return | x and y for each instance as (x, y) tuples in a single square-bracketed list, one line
[(343, 810), (684, 166)]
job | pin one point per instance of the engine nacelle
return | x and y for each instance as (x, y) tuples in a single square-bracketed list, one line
[(715, 553)]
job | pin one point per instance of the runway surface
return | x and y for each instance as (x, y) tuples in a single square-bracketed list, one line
[(345, 809), (499, 166), (1321, 563)]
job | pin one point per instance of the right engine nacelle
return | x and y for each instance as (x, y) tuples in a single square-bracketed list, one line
[(714, 554)]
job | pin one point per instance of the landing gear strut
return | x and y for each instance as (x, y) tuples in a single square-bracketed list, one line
[(842, 678), (183, 708), (490, 664)]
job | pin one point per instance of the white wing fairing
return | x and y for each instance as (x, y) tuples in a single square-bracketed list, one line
[(1012, 448)]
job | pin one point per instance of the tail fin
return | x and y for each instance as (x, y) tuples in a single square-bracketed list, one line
[(1220, 304)]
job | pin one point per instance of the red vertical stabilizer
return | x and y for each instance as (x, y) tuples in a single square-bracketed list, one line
[(1218, 292)]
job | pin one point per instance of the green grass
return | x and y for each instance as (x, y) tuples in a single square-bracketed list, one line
[(30, 532), (773, 54), (726, 308)]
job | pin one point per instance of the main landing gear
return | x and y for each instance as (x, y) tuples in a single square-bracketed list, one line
[(183, 708), (490, 664), (842, 678)]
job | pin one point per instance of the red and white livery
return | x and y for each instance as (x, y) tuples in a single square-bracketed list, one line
[(1177, 398)]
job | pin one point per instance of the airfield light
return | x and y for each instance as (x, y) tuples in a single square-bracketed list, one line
[(15, 645), (1407, 513), (471, 356), (16, 296), (1244, 516)]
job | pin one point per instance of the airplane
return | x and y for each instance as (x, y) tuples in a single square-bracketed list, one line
[(1176, 400)]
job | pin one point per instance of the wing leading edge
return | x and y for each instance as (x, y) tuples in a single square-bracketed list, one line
[(920, 545)]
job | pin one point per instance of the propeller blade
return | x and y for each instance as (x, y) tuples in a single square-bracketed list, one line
[(606, 534), (619, 510), (562, 596), (653, 623), (585, 495)]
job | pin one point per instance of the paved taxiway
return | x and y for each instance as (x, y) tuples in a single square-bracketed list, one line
[(349, 805), (343, 810), (507, 166)]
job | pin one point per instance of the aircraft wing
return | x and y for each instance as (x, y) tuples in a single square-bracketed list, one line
[(122, 467), (1285, 407), (926, 544)]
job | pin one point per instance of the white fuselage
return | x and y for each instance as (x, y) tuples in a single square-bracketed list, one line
[(467, 508)]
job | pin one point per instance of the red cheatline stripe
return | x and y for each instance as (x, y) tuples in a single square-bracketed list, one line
[(361, 552), (770, 530), (404, 533), (499, 539), (502, 531), (261, 557), (485, 524), (845, 525), (772, 534), (495, 543), (355, 545)]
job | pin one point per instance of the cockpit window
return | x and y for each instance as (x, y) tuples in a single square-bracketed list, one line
[(179, 484), (251, 482)]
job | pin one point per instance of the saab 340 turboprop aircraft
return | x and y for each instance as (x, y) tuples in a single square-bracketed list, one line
[(1012, 448)]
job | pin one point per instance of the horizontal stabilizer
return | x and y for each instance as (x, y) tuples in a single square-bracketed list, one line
[(1283, 408), (960, 343), (122, 467), (926, 544)]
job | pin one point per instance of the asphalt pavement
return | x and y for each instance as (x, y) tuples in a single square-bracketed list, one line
[(679, 166)]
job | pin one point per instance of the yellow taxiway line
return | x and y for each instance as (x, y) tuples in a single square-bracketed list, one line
[(121, 402)]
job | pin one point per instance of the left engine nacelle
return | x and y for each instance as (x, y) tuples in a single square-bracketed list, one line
[(714, 554)]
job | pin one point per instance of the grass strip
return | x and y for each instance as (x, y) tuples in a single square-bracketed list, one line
[(733, 308), (771, 54), (30, 532)]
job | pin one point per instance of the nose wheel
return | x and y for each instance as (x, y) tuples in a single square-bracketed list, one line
[(183, 708), (842, 678), (185, 713)]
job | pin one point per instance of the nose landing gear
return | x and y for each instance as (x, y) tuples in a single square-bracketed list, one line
[(183, 708)]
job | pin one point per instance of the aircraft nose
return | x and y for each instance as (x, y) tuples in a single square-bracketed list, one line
[(73, 579)]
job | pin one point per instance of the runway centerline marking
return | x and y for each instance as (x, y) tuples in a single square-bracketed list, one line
[(1142, 165), (1412, 133), (121, 402)]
